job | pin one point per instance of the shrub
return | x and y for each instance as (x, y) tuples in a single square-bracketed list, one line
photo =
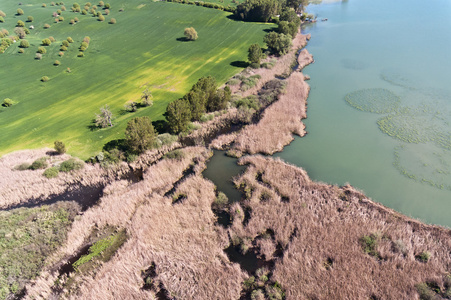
[(72, 22), (51, 172), (61, 18), (60, 147), (45, 78), (86, 39), (30, 19), (113, 21), (167, 139), (105, 118), (107, 12), (65, 43), (107, 6), (20, 24), (7, 102), (101, 3), (63, 8), (220, 201), (42, 50), (71, 165), (76, 19), (22, 167), (59, 12), (191, 34), (255, 53), (44, 5), (84, 12), (40, 163), (46, 42), (2, 20), (38, 56), (70, 40), (175, 154), (19, 12), (80, 54), (83, 48), (24, 44), (56, 63), (423, 256), (278, 43), (131, 106), (2, 14), (369, 244), (63, 48), (101, 18), (46, 26), (21, 50), (61, 53), (52, 39), (98, 14)]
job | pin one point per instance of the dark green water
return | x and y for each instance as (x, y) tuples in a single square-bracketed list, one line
[(367, 52)]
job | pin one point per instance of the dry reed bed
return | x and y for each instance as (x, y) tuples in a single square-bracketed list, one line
[(320, 228), (181, 242), (116, 208), (17, 187)]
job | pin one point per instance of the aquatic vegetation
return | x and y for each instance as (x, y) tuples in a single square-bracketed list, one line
[(424, 163), (395, 78), (375, 100)]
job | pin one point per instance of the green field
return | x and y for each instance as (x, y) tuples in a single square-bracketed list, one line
[(141, 49)]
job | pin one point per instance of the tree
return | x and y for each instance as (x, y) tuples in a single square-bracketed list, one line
[(255, 53), (202, 93), (220, 100), (20, 24), (178, 115), (105, 118), (24, 44), (146, 97), (257, 10), (191, 34), (20, 33), (278, 43), (140, 134), (30, 19), (46, 42), (60, 147)]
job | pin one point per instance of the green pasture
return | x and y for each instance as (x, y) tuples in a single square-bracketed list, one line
[(142, 48)]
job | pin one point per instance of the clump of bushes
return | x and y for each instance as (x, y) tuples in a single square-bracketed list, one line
[(191, 34), (70, 40), (24, 44), (40, 163), (19, 12), (101, 18), (423, 256), (369, 244), (71, 165), (45, 78), (112, 21), (42, 50), (30, 19), (22, 167), (51, 172), (20, 24)]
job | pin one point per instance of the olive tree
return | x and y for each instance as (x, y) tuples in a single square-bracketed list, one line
[(105, 118)]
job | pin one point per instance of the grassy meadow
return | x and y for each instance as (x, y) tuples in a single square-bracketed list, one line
[(144, 48)]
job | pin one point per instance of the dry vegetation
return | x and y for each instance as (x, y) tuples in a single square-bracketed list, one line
[(320, 229)]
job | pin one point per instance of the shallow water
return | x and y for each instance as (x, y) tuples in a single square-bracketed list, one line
[(398, 153)]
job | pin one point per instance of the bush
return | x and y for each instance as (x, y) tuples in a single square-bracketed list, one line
[(101, 3), (40, 163), (63, 48), (21, 50), (46, 42), (46, 26), (56, 63), (44, 5), (84, 12), (19, 12), (45, 78), (70, 40), (101, 18), (107, 6), (38, 56), (60, 147), (140, 134), (72, 22), (22, 167), (7, 102), (52, 39), (423, 256), (76, 19), (51, 172), (369, 244), (113, 21), (20, 24), (24, 44), (191, 34), (278, 43), (63, 8), (175, 154), (65, 43), (2, 14), (71, 165), (61, 18), (80, 54), (2, 20), (255, 54), (30, 19), (42, 50)]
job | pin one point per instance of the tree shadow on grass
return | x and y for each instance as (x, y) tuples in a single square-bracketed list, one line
[(119, 144), (274, 29), (161, 126), (183, 39), (93, 126), (239, 64)]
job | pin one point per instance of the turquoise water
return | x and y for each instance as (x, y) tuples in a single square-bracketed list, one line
[(397, 149)]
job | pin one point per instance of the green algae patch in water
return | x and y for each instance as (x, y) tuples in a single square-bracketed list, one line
[(426, 164), (427, 123), (375, 100)]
